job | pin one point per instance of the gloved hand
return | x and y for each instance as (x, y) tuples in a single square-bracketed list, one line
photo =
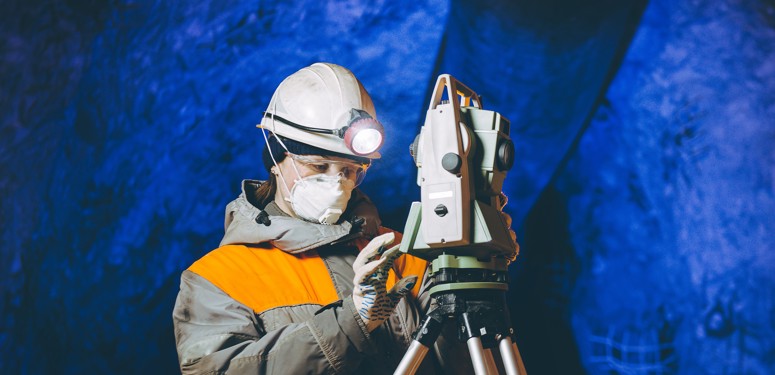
[(372, 300), (507, 220)]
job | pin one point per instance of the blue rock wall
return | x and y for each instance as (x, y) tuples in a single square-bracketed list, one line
[(127, 126), (669, 198), (543, 67)]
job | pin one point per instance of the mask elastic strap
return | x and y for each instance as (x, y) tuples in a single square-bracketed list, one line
[(274, 161), (293, 163)]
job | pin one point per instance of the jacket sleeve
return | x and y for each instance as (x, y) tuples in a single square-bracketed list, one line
[(216, 334)]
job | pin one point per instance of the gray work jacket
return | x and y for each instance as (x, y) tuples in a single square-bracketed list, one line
[(223, 328)]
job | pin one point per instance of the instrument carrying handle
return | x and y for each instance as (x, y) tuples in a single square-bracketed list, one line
[(454, 88)]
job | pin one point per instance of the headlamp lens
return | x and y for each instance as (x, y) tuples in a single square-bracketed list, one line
[(364, 137), (366, 141)]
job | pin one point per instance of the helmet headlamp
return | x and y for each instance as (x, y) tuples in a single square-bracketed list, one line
[(363, 134)]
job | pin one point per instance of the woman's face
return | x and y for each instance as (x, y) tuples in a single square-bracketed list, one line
[(308, 165)]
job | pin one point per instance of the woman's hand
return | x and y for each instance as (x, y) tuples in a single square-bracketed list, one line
[(372, 300)]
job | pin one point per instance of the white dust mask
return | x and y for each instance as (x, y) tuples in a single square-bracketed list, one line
[(321, 198)]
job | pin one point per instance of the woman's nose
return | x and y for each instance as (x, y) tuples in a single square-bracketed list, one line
[(333, 171)]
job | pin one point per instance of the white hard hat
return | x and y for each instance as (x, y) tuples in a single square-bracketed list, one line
[(324, 105)]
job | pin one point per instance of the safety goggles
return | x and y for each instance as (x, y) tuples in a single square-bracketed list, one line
[(310, 165)]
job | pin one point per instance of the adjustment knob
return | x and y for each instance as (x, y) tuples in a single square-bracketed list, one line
[(441, 210), (505, 155), (451, 162), (414, 148)]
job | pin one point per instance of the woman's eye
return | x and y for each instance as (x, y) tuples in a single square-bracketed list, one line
[(322, 168)]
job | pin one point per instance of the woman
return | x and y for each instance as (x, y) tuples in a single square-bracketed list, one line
[(305, 280)]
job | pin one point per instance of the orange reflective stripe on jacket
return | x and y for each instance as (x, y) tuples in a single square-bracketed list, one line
[(264, 278)]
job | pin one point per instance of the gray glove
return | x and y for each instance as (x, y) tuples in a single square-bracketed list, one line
[(372, 300)]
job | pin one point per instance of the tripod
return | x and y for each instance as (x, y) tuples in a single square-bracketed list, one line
[(483, 323)]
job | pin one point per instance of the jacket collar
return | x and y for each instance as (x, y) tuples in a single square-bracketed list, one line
[(290, 234)]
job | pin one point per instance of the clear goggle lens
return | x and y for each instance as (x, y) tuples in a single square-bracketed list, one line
[(311, 165)]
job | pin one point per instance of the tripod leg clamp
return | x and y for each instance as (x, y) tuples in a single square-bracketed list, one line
[(429, 330)]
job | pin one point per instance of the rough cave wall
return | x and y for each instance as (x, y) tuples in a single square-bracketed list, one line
[(670, 198), (127, 126)]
